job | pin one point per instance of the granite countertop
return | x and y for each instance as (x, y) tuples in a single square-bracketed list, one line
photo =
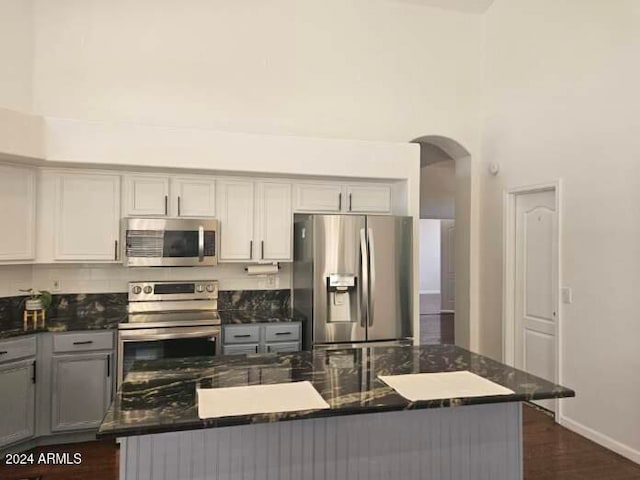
[(63, 324), (13, 326), (104, 311), (159, 396), (73, 312)]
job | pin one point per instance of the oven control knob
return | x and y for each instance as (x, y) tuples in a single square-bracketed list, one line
[(200, 288), (136, 290), (209, 287), (148, 289)]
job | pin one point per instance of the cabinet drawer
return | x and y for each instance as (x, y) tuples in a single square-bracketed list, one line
[(18, 348), (283, 347), (240, 349), (242, 334), (282, 332), (82, 342)]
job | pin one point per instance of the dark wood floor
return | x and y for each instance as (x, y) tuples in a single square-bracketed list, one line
[(551, 452), (436, 328), (99, 462)]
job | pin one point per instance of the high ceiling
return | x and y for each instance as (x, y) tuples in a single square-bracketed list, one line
[(470, 6)]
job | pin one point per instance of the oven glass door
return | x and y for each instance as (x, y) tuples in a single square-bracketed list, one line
[(165, 346)]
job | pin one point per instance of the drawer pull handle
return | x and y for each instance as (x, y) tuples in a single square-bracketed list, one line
[(283, 333), (87, 342), (242, 336), (3, 352)]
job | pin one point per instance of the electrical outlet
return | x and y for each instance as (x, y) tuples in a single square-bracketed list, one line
[(271, 281), (55, 286), (567, 295)]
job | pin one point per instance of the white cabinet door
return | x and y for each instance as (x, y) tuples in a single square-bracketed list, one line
[(81, 390), (87, 217), (311, 197), (194, 197), (235, 206), (146, 195), (17, 212), (274, 221), (368, 199), (17, 402)]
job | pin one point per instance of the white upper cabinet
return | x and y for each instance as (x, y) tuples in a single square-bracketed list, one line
[(368, 198), (86, 217), (235, 214), (163, 196), (274, 221), (146, 195), (17, 212), (194, 197), (339, 198), (318, 197)]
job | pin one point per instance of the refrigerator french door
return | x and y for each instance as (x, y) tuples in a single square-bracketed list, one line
[(352, 277)]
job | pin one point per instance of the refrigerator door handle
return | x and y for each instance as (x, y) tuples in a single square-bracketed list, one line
[(372, 275), (364, 288)]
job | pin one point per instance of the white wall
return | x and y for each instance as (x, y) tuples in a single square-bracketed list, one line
[(16, 54), (562, 103), (437, 190), (429, 256), (366, 69)]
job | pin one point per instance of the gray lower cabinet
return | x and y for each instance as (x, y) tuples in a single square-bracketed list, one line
[(81, 390), (283, 347), (54, 385), (240, 349), (261, 338), (17, 401)]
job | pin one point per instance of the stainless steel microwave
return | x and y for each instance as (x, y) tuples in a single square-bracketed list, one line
[(170, 242)]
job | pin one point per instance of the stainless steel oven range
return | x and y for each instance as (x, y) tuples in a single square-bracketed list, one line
[(169, 320)]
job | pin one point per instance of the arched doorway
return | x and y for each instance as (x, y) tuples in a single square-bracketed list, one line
[(434, 149)]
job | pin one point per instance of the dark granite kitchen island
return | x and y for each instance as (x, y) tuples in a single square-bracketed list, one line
[(370, 431)]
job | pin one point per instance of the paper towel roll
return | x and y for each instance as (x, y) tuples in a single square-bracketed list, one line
[(262, 269)]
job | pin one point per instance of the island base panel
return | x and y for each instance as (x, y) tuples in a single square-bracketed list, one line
[(479, 442)]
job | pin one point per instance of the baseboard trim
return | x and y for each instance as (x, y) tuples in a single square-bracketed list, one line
[(601, 439)]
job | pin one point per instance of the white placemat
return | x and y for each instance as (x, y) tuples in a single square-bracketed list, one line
[(252, 399), (438, 386)]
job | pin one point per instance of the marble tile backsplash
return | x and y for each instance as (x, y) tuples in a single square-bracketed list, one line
[(112, 307)]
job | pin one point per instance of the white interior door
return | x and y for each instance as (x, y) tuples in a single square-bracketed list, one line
[(447, 265), (536, 285)]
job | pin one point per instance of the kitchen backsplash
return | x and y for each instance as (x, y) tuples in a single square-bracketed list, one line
[(263, 300), (96, 278), (82, 310), (87, 307)]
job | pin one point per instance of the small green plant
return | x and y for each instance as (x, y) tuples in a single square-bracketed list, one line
[(43, 296)]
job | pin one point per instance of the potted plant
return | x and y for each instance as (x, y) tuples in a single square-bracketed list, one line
[(38, 299)]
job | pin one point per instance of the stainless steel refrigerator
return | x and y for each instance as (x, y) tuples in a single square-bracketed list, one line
[(352, 278)]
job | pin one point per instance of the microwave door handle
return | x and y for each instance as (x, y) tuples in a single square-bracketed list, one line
[(200, 243)]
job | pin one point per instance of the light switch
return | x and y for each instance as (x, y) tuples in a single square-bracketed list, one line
[(567, 295)]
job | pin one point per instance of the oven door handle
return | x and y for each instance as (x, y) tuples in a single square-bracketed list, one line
[(200, 243), (144, 336)]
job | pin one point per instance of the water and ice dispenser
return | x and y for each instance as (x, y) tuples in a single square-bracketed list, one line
[(341, 297)]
